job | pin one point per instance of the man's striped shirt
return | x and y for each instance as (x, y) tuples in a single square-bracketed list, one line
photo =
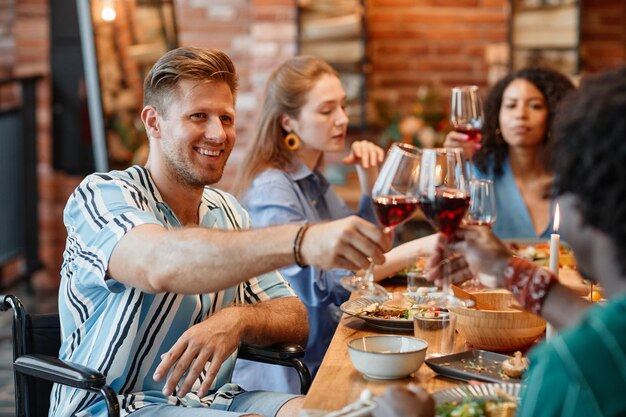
[(120, 330)]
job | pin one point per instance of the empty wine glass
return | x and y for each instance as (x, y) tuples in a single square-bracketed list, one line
[(466, 114), (482, 208), (395, 200), (481, 212), (444, 191)]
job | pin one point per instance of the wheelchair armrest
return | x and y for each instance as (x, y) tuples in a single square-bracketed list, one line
[(67, 373), (278, 352), (285, 354), (60, 371)]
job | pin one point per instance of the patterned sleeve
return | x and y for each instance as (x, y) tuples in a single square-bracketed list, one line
[(529, 283), (98, 214)]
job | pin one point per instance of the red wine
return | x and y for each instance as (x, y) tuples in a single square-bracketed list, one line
[(470, 131), (393, 210), (446, 210)]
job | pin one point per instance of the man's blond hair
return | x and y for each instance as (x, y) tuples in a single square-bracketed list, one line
[(188, 63)]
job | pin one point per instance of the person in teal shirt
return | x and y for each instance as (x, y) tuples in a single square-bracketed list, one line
[(514, 149), (580, 372)]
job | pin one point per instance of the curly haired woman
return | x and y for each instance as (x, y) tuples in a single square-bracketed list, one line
[(514, 149)]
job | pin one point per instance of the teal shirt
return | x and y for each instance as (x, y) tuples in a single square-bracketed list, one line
[(582, 371)]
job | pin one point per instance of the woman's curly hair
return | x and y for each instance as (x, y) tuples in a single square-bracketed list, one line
[(552, 84), (590, 141)]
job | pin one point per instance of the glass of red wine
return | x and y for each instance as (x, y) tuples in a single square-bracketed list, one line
[(466, 114), (481, 212), (395, 198), (444, 194)]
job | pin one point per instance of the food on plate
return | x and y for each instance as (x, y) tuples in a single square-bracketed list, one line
[(418, 266), (395, 308), (398, 307), (515, 366), (539, 253), (503, 406)]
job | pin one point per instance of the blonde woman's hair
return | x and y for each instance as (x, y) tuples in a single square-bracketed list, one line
[(285, 94), (189, 63)]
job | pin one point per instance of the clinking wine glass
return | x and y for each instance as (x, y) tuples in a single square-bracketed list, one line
[(395, 200), (482, 208), (481, 212), (444, 194), (466, 113)]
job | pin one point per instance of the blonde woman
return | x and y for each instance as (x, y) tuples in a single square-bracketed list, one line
[(303, 117)]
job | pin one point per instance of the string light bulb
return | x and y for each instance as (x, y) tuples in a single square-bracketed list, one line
[(108, 10)]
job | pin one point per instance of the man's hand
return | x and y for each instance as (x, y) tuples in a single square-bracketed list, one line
[(213, 340), (345, 243), (399, 402)]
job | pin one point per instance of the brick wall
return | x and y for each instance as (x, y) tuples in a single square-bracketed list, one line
[(256, 34), (412, 43), (603, 35), (431, 42)]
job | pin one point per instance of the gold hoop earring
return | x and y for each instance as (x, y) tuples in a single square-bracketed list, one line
[(292, 141)]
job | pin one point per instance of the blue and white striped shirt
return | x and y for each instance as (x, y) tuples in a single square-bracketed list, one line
[(120, 330)]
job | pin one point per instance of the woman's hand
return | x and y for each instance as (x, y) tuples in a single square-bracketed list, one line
[(367, 156), (461, 140), (365, 153)]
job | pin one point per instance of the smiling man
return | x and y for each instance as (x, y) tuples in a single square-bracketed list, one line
[(161, 281)]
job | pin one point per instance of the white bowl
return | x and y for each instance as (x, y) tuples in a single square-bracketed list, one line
[(387, 357)]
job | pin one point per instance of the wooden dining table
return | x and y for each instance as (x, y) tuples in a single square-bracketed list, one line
[(338, 383)]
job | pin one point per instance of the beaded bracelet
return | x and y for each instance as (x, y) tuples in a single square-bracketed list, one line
[(528, 282), (297, 245)]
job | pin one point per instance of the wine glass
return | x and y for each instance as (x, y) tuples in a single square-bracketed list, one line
[(395, 200), (466, 114), (444, 192), (482, 208), (481, 212)]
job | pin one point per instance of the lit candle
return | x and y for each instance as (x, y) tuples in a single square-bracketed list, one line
[(555, 243)]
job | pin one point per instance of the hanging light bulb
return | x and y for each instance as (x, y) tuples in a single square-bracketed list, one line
[(108, 10)]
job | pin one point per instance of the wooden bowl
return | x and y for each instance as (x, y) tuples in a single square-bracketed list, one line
[(502, 330)]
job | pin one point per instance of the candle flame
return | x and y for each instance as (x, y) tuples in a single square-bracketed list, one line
[(108, 12), (557, 218)]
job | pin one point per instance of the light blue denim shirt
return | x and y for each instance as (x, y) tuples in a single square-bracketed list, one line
[(513, 218), (303, 196)]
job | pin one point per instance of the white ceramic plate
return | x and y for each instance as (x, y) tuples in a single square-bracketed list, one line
[(483, 391)]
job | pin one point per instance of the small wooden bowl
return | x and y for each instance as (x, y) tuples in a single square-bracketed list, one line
[(502, 330)]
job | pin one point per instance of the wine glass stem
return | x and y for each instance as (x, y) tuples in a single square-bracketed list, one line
[(445, 285), (369, 276)]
